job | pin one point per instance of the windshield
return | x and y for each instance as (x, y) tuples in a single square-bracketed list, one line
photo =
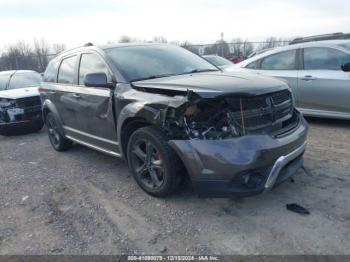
[(23, 80), (346, 45), (153, 61), (218, 60)]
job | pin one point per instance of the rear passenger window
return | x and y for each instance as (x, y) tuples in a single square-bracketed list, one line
[(3, 81), (67, 70), (280, 61), (321, 58), (51, 71), (91, 63)]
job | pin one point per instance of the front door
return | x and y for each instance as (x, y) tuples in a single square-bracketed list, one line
[(95, 118), (281, 65)]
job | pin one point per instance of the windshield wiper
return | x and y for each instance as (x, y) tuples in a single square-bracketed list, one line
[(152, 77), (166, 75), (197, 70)]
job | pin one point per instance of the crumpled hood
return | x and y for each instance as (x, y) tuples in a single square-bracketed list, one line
[(214, 84), (19, 93)]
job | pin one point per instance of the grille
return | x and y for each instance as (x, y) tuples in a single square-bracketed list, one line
[(281, 97), (264, 114), (28, 102)]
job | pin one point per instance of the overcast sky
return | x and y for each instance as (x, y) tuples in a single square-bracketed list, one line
[(75, 22)]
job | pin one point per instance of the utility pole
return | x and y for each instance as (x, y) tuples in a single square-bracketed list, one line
[(222, 44)]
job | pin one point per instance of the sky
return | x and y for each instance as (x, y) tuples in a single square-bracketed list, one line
[(75, 22)]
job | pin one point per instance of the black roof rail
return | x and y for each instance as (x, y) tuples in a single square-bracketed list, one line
[(323, 37)]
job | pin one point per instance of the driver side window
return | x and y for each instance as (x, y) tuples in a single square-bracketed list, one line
[(91, 63)]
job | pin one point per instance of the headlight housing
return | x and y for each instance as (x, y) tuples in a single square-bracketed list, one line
[(7, 103)]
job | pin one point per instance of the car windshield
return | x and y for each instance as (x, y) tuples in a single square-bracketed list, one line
[(154, 61), (23, 80), (218, 60), (346, 45)]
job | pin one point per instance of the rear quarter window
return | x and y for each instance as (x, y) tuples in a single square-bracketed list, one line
[(50, 74)]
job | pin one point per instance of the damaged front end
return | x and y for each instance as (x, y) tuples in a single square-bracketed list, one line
[(19, 113), (230, 116), (8, 110), (237, 145)]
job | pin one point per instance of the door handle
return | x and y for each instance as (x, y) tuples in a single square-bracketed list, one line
[(77, 96), (308, 78)]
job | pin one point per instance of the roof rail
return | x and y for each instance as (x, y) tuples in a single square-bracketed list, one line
[(323, 37)]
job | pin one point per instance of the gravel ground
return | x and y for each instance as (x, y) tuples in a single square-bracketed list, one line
[(85, 202)]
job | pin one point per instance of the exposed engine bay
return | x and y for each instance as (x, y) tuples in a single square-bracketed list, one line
[(231, 116)]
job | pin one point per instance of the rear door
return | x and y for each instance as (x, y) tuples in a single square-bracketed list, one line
[(323, 86), (64, 95)]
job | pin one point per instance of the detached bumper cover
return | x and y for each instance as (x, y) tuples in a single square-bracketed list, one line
[(242, 166)]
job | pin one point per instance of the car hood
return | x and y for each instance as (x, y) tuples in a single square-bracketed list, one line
[(214, 84), (19, 93)]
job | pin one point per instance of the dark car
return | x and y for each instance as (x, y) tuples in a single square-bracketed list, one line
[(169, 113), (20, 105)]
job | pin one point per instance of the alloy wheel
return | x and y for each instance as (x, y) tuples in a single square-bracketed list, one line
[(147, 164)]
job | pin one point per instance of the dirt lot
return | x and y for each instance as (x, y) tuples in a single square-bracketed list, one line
[(84, 202)]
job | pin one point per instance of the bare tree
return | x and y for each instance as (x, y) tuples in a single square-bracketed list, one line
[(159, 39), (126, 39), (58, 48), (272, 42), (41, 50)]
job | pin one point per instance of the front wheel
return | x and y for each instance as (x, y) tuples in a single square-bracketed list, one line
[(58, 142), (154, 165)]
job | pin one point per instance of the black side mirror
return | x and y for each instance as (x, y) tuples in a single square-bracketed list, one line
[(346, 67), (97, 80)]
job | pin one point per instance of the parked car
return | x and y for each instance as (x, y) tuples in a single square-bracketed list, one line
[(316, 72), (20, 105), (163, 108), (236, 59), (218, 61)]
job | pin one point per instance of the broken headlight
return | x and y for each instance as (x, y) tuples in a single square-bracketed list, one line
[(7, 103)]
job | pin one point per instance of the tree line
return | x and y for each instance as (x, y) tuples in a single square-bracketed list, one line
[(36, 56)]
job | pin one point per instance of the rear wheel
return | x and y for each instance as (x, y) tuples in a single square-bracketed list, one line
[(58, 142), (154, 165)]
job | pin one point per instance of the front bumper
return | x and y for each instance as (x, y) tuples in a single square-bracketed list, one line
[(242, 166), (21, 122)]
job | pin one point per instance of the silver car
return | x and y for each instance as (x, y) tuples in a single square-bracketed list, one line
[(218, 61), (317, 72)]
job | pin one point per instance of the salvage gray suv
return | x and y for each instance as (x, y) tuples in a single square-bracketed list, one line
[(169, 113)]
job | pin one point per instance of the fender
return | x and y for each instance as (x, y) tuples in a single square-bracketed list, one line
[(48, 105)]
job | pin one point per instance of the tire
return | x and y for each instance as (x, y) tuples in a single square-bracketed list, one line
[(58, 142), (154, 165)]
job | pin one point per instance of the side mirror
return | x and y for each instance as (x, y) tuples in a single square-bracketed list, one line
[(96, 80), (346, 67)]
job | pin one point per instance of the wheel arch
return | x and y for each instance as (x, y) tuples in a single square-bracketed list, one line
[(129, 126), (49, 107)]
